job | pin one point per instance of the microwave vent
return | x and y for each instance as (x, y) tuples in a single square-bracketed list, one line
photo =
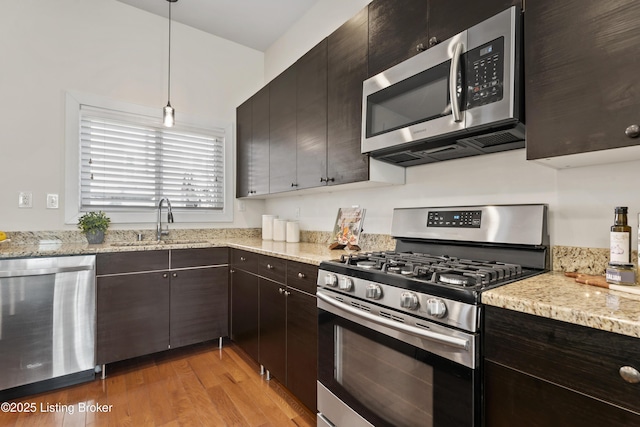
[(399, 158), (493, 139)]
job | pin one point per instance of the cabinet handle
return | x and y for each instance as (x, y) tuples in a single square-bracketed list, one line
[(165, 275), (301, 275), (232, 271), (293, 184), (327, 179), (270, 267), (287, 293), (243, 259), (280, 290), (420, 47), (632, 131), (433, 41), (174, 275), (630, 374)]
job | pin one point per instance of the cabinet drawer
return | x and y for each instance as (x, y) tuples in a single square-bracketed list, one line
[(244, 260), (272, 268), (577, 357), (131, 262), (184, 258), (302, 276)]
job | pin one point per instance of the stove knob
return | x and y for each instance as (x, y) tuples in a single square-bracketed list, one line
[(409, 300), (346, 284), (436, 308), (373, 291), (331, 280)]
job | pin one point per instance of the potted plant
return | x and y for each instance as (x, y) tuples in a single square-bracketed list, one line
[(93, 225)]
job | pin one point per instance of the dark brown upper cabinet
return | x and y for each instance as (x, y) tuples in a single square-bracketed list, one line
[(347, 50), (252, 158), (396, 28), (282, 131), (449, 17), (582, 86), (311, 115)]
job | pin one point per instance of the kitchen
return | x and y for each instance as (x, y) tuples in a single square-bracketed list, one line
[(42, 40)]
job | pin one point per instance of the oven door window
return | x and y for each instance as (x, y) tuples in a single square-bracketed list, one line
[(417, 99), (391, 383)]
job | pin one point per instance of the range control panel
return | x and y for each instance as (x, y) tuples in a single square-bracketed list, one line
[(456, 219)]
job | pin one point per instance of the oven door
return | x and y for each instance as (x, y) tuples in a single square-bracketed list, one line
[(372, 373)]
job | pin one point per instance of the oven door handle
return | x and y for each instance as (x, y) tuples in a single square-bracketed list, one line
[(412, 330)]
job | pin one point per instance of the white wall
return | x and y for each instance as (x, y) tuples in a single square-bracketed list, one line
[(105, 48), (581, 200)]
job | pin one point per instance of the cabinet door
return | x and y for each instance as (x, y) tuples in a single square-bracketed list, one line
[(259, 164), (347, 69), (199, 302), (582, 89), (302, 346), (282, 131), (132, 315), (312, 117), (396, 27), (244, 136), (513, 398), (449, 17), (244, 311), (273, 325)]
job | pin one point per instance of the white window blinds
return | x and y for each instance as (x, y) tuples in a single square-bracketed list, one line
[(128, 162)]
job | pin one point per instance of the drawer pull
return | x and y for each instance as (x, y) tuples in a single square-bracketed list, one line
[(281, 290), (174, 275), (165, 275), (270, 267), (630, 374), (242, 258), (301, 275)]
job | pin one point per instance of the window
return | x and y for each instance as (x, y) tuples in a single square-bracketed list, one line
[(126, 161)]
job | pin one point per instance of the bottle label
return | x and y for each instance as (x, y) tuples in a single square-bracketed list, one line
[(619, 248)]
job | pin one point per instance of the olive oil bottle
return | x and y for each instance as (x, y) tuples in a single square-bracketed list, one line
[(620, 238)]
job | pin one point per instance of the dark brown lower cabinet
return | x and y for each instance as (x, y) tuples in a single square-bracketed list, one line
[(244, 311), (142, 312), (132, 315), (302, 346), (544, 372), (273, 328), (199, 301), (274, 319)]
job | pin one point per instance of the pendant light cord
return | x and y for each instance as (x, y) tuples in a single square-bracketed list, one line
[(169, 68)]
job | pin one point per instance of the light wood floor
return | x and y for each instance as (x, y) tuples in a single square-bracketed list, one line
[(198, 386)]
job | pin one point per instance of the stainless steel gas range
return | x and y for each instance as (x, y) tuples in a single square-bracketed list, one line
[(400, 331)]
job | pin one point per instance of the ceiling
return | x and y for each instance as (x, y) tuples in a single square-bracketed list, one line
[(252, 23)]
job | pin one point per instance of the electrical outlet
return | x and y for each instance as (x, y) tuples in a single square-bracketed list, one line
[(25, 199), (242, 206), (52, 201)]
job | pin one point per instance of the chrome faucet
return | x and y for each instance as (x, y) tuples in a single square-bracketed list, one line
[(159, 231)]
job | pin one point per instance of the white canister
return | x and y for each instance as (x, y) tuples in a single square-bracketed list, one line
[(279, 230), (293, 231), (267, 226)]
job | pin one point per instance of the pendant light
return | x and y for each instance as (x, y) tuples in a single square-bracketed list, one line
[(168, 113)]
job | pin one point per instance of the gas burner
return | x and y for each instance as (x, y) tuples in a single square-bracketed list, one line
[(455, 279), (368, 265)]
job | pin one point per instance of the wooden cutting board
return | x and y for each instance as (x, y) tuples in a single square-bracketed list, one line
[(600, 281)]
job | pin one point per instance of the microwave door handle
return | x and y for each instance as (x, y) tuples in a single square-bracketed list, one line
[(453, 79)]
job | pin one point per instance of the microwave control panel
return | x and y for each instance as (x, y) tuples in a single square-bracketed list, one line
[(485, 73)]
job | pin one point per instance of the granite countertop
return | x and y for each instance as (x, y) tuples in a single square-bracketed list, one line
[(555, 296), (310, 253)]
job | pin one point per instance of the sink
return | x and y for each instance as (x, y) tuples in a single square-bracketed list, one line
[(182, 242), (156, 243)]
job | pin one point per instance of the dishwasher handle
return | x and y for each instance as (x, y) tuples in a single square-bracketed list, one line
[(43, 271)]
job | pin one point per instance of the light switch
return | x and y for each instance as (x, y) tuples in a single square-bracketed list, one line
[(25, 199), (52, 201)]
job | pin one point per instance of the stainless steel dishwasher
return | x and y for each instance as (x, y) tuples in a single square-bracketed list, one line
[(47, 323)]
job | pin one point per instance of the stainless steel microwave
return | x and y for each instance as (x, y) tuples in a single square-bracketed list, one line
[(460, 98)]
